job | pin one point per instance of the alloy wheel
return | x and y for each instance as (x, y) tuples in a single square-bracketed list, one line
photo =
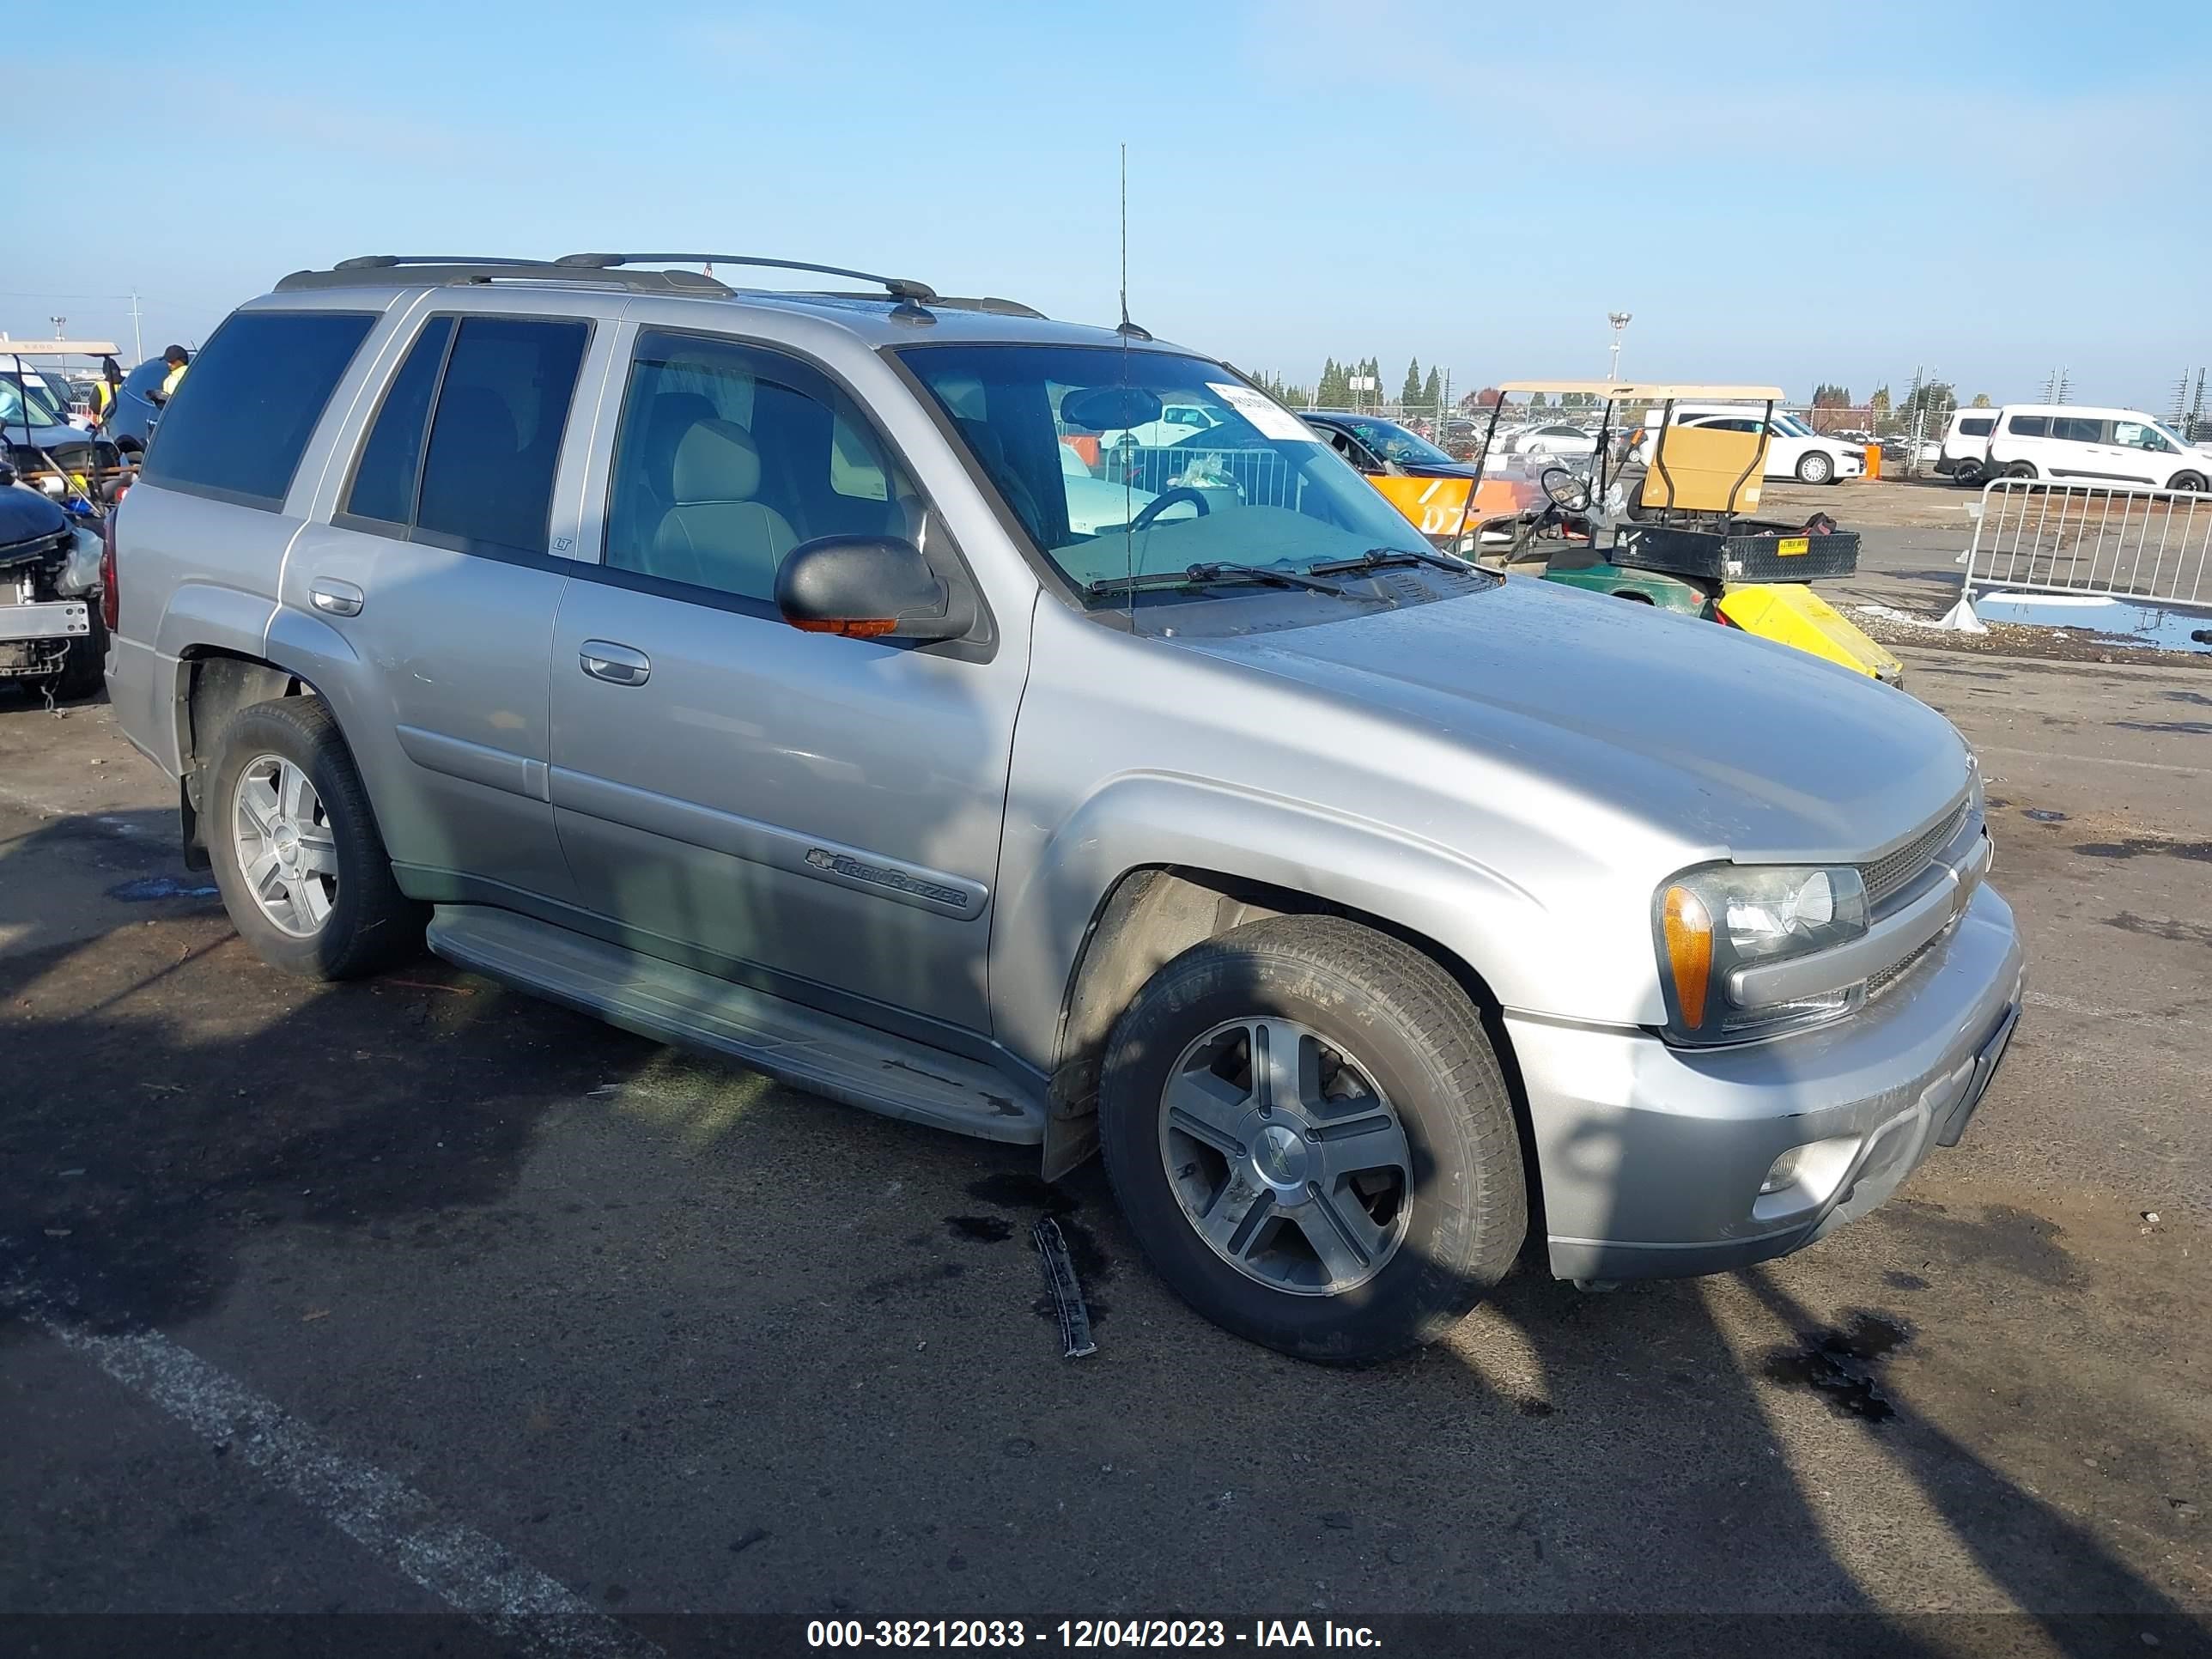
[(287, 852), (1286, 1156)]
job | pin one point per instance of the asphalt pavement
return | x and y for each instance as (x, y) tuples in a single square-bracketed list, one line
[(415, 1296)]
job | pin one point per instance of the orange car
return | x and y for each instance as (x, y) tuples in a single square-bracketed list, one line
[(1420, 480)]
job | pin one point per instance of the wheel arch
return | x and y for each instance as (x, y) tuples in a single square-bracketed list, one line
[(1152, 914), (215, 681)]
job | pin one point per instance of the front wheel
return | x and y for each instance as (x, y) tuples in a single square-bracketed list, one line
[(1309, 1135), (296, 850), (2022, 470), (2192, 483), (1815, 469)]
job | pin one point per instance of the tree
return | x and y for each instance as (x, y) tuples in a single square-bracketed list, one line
[(1536, 400), (1488, 398), (1831, 396), (1982, 400), (1335, 389), (1880, 401), (1410, 393), (1432, 391)]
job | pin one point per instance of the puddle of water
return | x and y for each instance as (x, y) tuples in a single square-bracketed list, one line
[(2125, 621), (143, 888)]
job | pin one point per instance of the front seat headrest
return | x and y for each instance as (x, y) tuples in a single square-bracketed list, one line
[(717, 461)]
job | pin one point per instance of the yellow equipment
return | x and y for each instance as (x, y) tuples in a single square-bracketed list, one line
[(1793, 614)]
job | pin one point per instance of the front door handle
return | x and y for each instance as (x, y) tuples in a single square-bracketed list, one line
[(617, 665), (334, 597)]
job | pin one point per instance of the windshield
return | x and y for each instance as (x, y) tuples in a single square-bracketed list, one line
[(1077, 442), (1394, 443), (1793, 426), (14, 393)]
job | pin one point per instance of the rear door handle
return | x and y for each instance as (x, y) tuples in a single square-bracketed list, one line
[(617, 665), (334, 597)]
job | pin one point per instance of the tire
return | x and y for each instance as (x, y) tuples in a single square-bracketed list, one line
[(358, 920), (1816, 469), (1458, 1216), (2021, 470), (2191, 481), (1967, 474)]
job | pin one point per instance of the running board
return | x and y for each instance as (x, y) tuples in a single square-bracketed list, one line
[(856, 1064)]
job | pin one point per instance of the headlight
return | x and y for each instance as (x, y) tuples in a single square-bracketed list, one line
[(1713, 920)]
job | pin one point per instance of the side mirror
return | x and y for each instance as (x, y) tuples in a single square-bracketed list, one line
[(868, 587)]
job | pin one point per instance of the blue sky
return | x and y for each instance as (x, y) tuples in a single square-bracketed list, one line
[(1777, 192)]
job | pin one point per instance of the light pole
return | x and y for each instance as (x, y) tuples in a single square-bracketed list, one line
[(1619, 319), (59, 323)]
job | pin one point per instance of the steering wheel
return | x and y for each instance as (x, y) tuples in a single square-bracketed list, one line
[(1166, 499), (1567, 490)]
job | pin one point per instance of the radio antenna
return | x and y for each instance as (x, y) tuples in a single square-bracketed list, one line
[(1125, 240), (1129, 449)]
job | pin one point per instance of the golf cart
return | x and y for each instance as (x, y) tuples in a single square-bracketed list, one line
[(58, 485), (1659, 515)]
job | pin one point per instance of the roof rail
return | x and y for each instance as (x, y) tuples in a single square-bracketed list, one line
[(371, 269), (996, 308), (899, 288)]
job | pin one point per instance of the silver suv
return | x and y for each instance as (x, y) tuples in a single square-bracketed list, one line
[(875, 688)]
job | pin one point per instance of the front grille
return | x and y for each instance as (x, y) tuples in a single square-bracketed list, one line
[(1888, 876), (1897, 970)]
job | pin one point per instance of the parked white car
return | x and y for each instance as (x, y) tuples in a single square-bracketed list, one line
[(1793, 450), (1555, 440), (2094, 445), (1964, 452)]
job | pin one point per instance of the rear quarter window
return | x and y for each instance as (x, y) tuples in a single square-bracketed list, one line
[(1979, 426), (243, 413)]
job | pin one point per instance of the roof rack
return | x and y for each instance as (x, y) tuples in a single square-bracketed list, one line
[(439, 271), (899, 288)]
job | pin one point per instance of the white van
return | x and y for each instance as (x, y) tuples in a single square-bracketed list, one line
[(1966, 450), (2094, 445), (1793, 450)]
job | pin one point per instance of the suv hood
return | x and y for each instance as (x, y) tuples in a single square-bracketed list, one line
[(1739, 746)]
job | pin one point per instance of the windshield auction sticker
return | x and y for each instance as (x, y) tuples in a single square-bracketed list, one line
[(1272, 419)]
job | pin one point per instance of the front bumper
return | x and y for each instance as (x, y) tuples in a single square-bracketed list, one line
[(1651, 1158)]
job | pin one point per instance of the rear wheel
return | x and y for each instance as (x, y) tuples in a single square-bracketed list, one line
[(295, 848), (2021, 470), (1967, 473), (1309, 1135), (1816, 469)]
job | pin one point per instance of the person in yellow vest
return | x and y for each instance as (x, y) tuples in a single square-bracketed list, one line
[(104, 390), (179, 361)]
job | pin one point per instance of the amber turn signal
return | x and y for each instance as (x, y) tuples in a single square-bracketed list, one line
[(853, 627), (1689, 931)]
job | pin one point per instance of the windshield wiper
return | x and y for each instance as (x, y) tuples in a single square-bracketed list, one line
[(1375, 558), (1207, 576)]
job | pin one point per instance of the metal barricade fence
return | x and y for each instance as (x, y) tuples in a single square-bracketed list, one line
[(2112, 541)]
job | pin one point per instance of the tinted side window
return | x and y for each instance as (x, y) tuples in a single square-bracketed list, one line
[(2076, 430), (729, 456), (2029, 425), (245, 410), (496, 439), (1976, 427), (383, 478)]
